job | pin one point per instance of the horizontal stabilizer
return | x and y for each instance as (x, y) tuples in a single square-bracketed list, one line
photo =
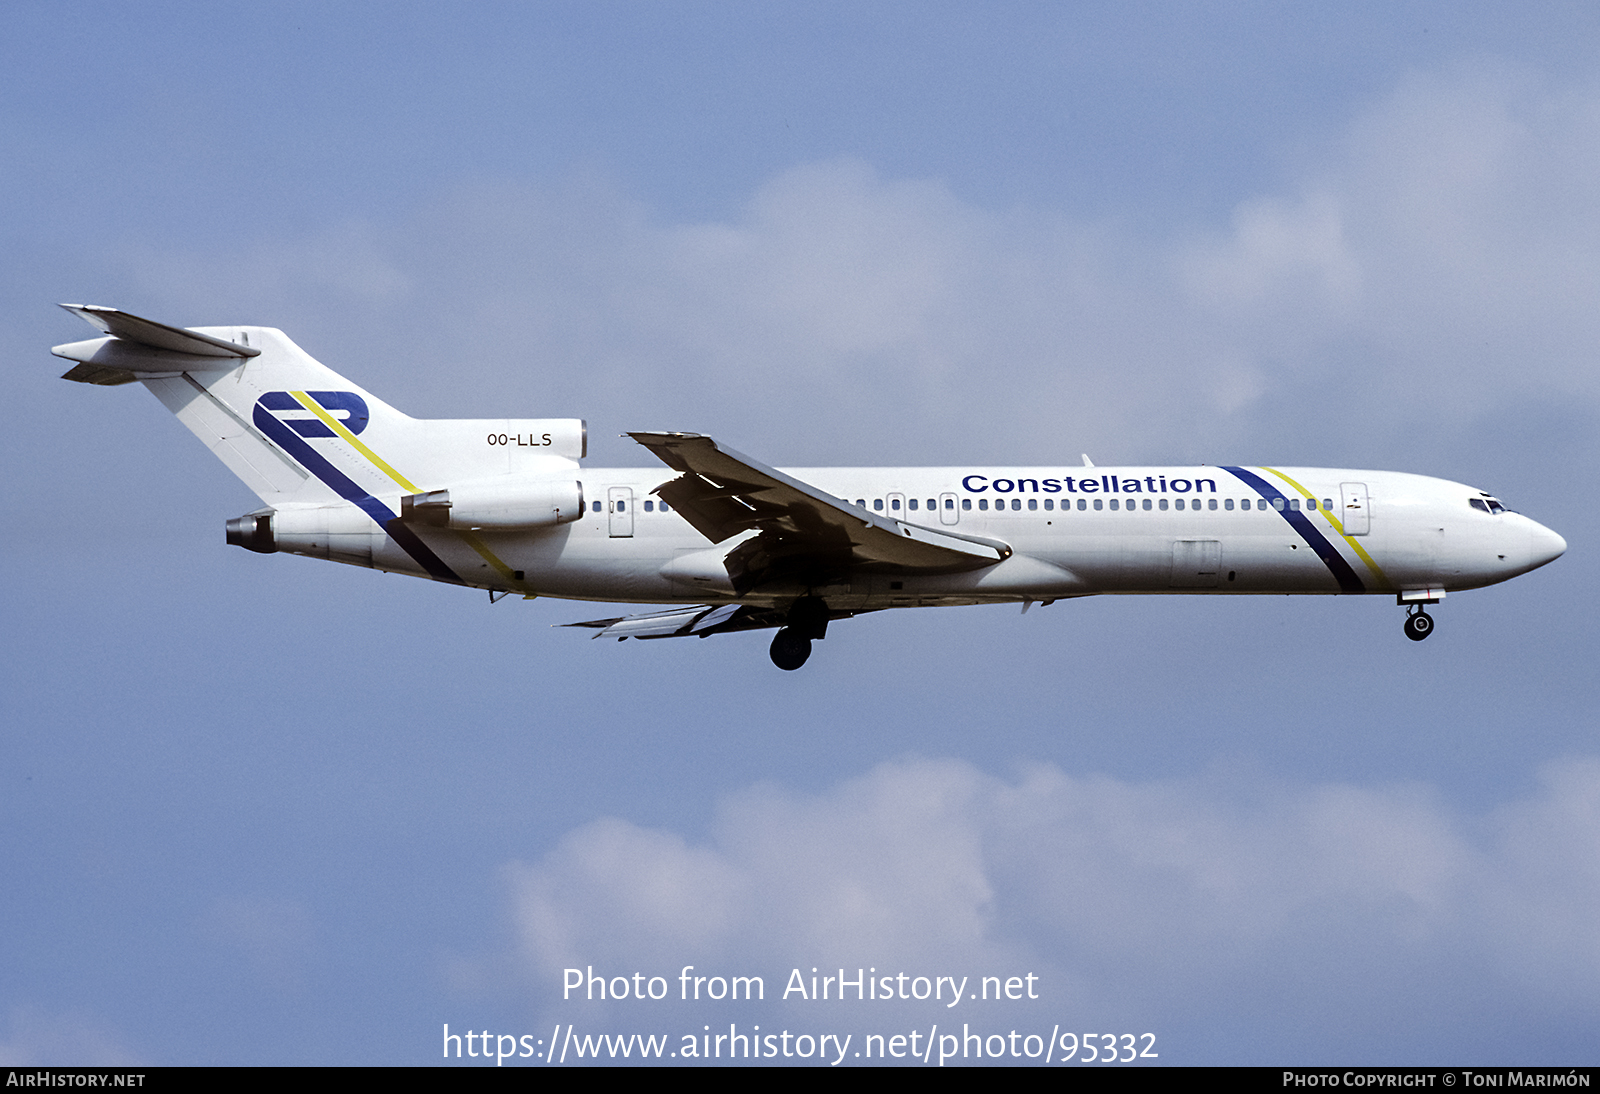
[(140, 349), (147, 332), (135, 331)]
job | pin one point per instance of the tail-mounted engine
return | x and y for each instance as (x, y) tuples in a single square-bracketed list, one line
[(507, 504), (345, 533), (342, 533), (253, 532)]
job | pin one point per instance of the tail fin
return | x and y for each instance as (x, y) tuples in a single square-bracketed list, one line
[(295, 431)]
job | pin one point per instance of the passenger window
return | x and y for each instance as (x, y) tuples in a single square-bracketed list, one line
[(1211, 503), (1277, 503), (1177, 503), (1162, 504), (1311, 503), (1083, 503), (596, 507), (621, 506), (1294, 505), (1098, 504), (949, 503), (1327, 503), (983, 503), (1113, 503), (861, 502), (649, 506), (966, 503), (912, 504), (1147, 504), (1033, 503), (1049, 503), (877, 503), (932, 505), (1228, 503), (1016, 503), (665, 508), (894, 503)]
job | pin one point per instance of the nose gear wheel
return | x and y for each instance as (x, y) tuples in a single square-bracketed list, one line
[(1419, 624)]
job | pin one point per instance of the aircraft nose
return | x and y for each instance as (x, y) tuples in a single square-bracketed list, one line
[(1544, 546)]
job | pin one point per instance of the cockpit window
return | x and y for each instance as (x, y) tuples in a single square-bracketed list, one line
[(1478, 503), (1488, 504)]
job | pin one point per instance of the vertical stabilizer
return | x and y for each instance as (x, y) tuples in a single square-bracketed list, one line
[(304, 438)]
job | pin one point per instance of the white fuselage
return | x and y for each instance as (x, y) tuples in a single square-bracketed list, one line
[(1074, 532)]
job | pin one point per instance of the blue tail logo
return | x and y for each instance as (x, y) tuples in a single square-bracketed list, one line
[(290, 435), (347, 406)]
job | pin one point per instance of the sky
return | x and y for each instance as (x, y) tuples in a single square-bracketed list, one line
[(263, 810)]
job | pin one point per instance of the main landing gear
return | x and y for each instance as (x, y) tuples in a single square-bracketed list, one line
[(1419, 624), (790, 650), (791, 646)]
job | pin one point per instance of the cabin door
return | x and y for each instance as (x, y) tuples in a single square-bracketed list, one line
[(619, 503), (1356, 514)]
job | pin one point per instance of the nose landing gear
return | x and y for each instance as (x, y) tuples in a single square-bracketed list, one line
[(1419, 624)]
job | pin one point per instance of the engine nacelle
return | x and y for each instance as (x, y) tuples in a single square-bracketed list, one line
[(342, 533), (503, 504), (253, 532)]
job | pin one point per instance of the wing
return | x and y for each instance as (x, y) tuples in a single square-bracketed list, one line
[(805, 534)]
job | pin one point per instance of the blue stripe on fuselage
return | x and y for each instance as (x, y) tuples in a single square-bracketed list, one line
[(1349, 581), (350, 491)]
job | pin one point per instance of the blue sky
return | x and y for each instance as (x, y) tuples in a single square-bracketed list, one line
[(262, 810)]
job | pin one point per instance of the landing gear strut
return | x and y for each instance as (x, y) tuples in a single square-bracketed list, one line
[(1419, 624)]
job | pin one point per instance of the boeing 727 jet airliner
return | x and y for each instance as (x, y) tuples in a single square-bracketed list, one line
[(731, 544)]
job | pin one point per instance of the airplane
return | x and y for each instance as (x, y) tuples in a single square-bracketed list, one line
[(730, 544)]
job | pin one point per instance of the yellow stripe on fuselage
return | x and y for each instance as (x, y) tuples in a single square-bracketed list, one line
[(1338, 527), (489, 556), (410, 487)]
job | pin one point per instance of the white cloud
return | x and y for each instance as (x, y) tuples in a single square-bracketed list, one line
[(1449, 240), (889, 864), (1440, 254), (1142, 897), (1278, 255)]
